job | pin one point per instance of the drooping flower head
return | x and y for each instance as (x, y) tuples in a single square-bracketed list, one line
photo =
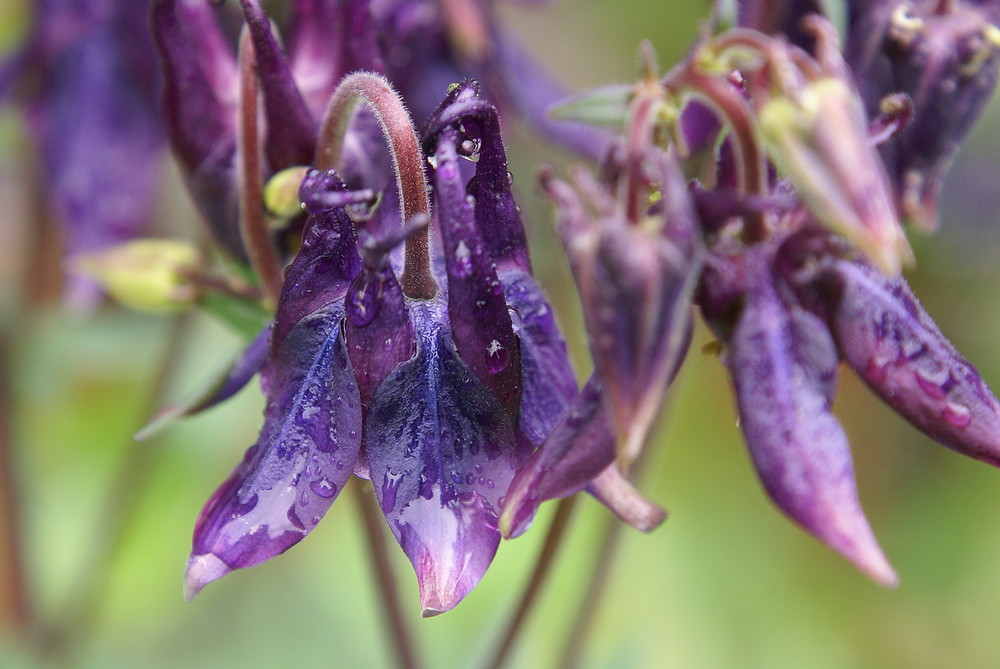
[(426, 388)]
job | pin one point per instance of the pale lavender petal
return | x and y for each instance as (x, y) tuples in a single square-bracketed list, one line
[(779, 363), (440, 464), (301, 461)]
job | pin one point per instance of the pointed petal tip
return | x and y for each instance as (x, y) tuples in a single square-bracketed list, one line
[(202, 570), (516, 519)]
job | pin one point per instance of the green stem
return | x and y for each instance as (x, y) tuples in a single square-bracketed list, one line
[(15, 604), (543, 566), (402, 641), (118, 511), (730, 105), (407, 162)]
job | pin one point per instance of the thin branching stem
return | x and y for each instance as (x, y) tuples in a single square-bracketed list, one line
[(402, 640), (543, 567)]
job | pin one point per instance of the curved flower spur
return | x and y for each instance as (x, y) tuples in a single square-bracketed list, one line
[(421, 383)]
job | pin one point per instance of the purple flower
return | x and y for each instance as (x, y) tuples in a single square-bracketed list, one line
[(945, 56), (438, 399), (85, 81)]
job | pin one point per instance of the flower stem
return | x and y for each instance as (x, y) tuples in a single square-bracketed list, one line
[(730, 105), (118, 510), (260, 250), (407, 161), (531, 590), (575, 641), (15, 605), (402, 641)]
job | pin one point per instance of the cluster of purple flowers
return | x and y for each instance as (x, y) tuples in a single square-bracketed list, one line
[(764, 181)]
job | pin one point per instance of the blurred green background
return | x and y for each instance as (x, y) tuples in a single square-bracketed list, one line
[(726, 582)]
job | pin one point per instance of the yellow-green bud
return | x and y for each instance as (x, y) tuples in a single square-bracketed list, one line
[(281, 193), (146, 274)]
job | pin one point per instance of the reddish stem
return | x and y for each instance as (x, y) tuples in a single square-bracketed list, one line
[(260, 250), (407, 161)]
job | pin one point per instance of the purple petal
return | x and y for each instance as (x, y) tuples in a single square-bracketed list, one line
[(327, 40), (783, 366), (442, 454), (199, 105), (301, 461), (580, 447), (481, 324), (291, 132), (613, 490), (378, 325), (217, 389), (893, 344), (326, 263), (548, 385)]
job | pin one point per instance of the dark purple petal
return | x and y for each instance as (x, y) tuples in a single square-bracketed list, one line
[(888, 338), (481, 325), (636, 284), (442, 454), (218, 388), (783, 365), (379, 329), (291, 133), (301, 461), (199, 105), (548, 385), (497, 216), (326, 263), (578, 449)]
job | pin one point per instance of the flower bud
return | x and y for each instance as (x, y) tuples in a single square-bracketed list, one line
[(146, 275)]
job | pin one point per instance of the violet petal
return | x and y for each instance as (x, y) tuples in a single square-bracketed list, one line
[(301, 461), (481, 324), (440, 465), (580, 447), (778, 363), (893, 344)]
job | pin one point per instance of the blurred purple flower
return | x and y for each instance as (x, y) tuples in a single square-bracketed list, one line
[(85, 80)]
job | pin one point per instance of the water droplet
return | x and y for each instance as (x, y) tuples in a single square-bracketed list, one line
[(340, 464), (359, 212), (462, 267), (956, 414), (387, 344), (489, 483), (469, 149), (323, 487), (470, 479), (480, 309), (470, 188), (354, 434), (304, 498), (497, 357)]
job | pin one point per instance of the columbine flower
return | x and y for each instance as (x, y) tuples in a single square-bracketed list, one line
[(945, 56), (435, 393), (88, 89), (787, 297)]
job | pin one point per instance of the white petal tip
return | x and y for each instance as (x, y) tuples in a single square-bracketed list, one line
[(202, 570)]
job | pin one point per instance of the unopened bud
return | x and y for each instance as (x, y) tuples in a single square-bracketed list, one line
[(281, 193), (146, 275)]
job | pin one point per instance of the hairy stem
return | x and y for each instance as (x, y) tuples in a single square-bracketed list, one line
[(407, 160), (260, 250), (731, 107), (378, 550), (543, 566)]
